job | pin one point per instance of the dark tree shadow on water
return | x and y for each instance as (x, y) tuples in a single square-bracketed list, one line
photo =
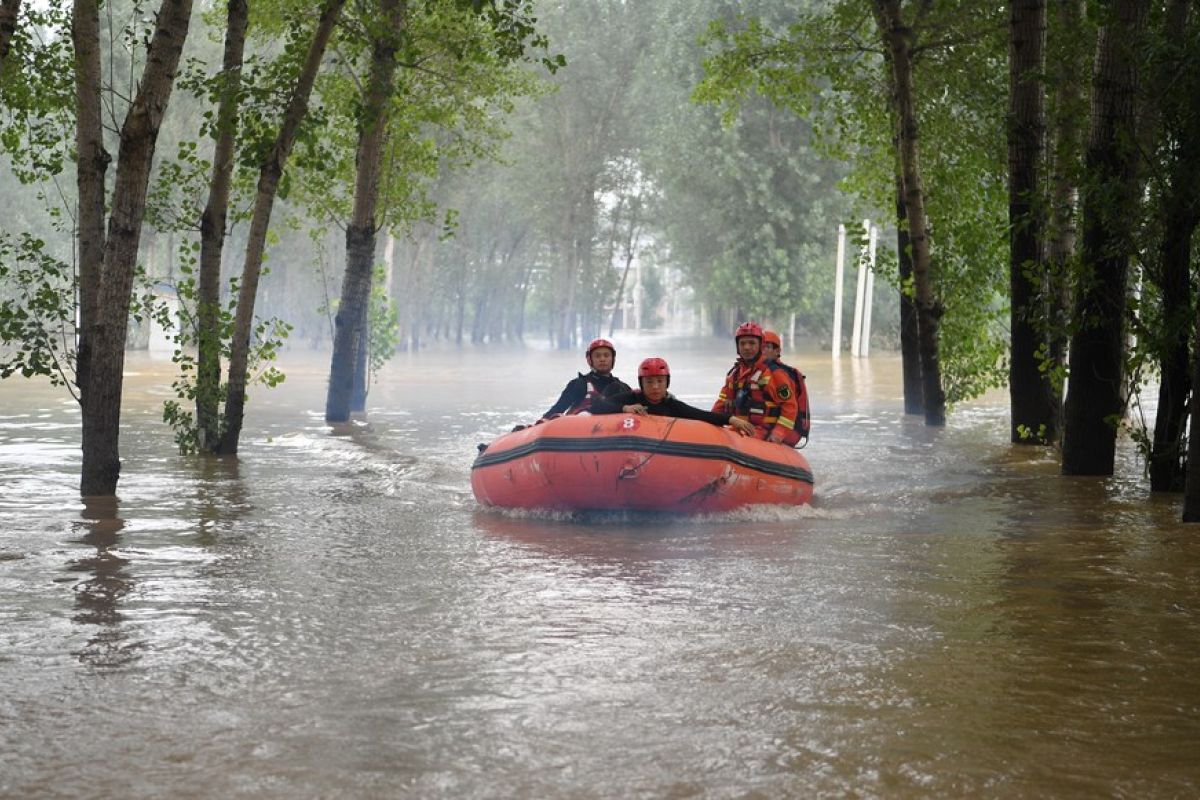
[(221, 498), (98, 596)]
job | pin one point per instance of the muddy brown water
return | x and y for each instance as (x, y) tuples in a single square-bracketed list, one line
[(331, 614)]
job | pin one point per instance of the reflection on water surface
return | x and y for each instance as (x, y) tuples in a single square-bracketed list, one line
[(331, 614)]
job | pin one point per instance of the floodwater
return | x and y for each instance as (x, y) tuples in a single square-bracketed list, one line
[(331, 614)]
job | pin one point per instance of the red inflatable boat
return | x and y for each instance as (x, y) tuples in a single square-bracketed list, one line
[(624, 461)]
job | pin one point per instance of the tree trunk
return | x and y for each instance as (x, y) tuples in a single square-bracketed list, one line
[(1191, 489), (635, 219), (269, 175), (569, 277), (112, 277), (92, 165), (1032, 399), (212, 233), (1175, 385), (898, 39), (1179, 214), (9, 10), (910, 341), (358, 396), (1095, 400), (1069, 107), (354, 309)]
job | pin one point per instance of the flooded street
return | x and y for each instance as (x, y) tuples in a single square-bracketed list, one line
[(331, 615)]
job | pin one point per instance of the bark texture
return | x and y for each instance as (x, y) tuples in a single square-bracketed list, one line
[(269, 175), (899, 39), (1179, 214), (910, 337), (9, 11), (91, 167), (1069, 106), (1095, 394), (212, 231), (103, 335), (1032, 398), (348, 367)]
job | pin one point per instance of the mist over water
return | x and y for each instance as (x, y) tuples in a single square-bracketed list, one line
[(331, 614)]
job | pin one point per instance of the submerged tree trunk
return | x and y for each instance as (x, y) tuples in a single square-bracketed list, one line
[(111, 277), (353, 311), (92, 162), (1191, 489), (1095, 399), (1032, 398), (910, 340), (898, 39), (1180, 214), (269, 175), (212, 233), (1069, 107), (1175, 385)]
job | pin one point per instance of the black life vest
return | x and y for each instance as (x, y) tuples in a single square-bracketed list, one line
[(595, 389)]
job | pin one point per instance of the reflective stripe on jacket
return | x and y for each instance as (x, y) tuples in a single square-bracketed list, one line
[(794, 379), (762, 396)]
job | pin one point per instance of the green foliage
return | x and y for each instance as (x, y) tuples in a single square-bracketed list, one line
[(37, 286), (383, 325), (459, 74), (37, 311), (825, 66), (756, 228), (1028, 434), (37, 94), (181, 317)]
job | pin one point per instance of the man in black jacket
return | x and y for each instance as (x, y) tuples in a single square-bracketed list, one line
[(580, 392)]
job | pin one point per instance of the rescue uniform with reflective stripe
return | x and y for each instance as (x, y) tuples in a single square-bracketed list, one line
[(762, 396), (800, 392), (580, 391)]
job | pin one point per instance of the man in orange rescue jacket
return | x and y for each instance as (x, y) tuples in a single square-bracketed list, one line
[(753, 391), (772, 348)]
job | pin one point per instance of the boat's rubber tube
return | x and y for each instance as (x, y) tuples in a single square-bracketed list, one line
[(623, 461)]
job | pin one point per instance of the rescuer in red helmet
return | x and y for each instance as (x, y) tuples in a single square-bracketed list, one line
[(772, 348), (581, 391), (758, 394), (652, 397)]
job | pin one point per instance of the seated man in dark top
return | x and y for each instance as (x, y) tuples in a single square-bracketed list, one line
[(580, 392), (654, 376)]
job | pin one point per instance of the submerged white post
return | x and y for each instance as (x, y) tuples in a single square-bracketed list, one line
[(865, 342), (856, 330), (839, 271)]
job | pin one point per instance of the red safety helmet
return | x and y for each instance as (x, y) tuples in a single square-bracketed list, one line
[(599, 343), (653, 366), (771, 337), (748, 329)]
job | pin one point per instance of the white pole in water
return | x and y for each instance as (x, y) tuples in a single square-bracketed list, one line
[(856, 330), (865, 342), (839, 272), (792, 333)]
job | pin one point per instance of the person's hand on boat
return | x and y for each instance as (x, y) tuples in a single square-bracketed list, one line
[(741, 426), (634, 408)]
